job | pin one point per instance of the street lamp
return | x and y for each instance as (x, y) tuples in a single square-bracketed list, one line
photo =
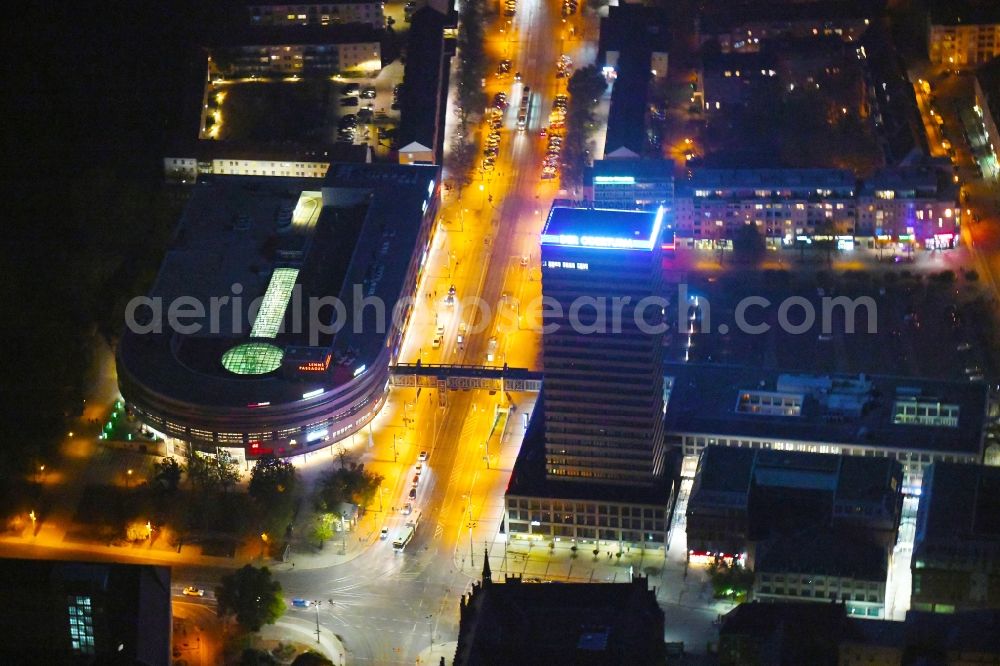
[(34, 519), (128, 478), (317, 603), (263, 545), (41, 473)]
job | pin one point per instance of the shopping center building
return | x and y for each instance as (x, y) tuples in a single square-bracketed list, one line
[(285, 293)]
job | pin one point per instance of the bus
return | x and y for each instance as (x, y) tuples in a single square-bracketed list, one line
[(406, 534), (524, 110)]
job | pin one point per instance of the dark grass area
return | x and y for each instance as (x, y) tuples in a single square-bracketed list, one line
[(920, 322)]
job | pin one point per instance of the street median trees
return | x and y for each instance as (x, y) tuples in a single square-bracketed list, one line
[(585, 89)]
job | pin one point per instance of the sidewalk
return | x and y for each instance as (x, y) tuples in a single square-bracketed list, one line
[(432, 655), (291, 628)]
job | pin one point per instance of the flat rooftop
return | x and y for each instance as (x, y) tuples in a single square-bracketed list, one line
[(770, 179), (278, 243), (823, 552), (704, 399), (735, 470), (961, 502), (602, 228)]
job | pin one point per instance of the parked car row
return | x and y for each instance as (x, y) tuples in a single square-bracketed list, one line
[(564, 66), (509, 8), (550, 163), (494, 118), (569, 8)]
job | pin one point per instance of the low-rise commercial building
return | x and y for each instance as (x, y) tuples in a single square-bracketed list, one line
[(514, 622), (739, 494), (913, 421), (956, 550), (824, 635), (225, 158), (822, 565), (630, 184), (963, 33)]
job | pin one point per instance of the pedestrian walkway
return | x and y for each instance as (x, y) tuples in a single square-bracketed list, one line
[(292, 628)]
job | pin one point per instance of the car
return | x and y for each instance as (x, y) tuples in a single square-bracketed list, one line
[(366, 116), (524, 261), (407, 509), (349, 101), (543, 132), (976, 378), (460, 339), (436, 342), (351, 90), (413, 493), (517, 76), (416, 479), (974, 370), (368, 93), (503, 67), (488, 165), (440, 329), (383, 533), (350, 120), (422, 457), (192, 591), (420, 468), (301, 603), (491, 151), (496, 123), (963, 346)]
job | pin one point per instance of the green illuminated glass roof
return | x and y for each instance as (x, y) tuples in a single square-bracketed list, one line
[(252, 358), (275, 301)]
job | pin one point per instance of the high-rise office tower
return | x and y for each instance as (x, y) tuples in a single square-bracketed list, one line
[(603, 345)]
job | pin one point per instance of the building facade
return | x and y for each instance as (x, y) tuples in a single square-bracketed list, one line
[(963, 34), (909, 206), (897, 208), (355, 56), (784, 205), (603, 381), (326, 13), (630, 184)]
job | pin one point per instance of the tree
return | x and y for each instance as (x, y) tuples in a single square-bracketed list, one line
[(251, 596), (311, 659), (322, 529), (585, 87), (168, 473), (272, 478), (728, 581), (225, 470), (349, 484)]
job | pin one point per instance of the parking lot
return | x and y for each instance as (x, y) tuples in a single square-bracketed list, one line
[(938, 326), (317, 110)]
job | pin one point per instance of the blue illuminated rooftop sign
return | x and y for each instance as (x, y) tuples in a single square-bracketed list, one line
[(602, 228)]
